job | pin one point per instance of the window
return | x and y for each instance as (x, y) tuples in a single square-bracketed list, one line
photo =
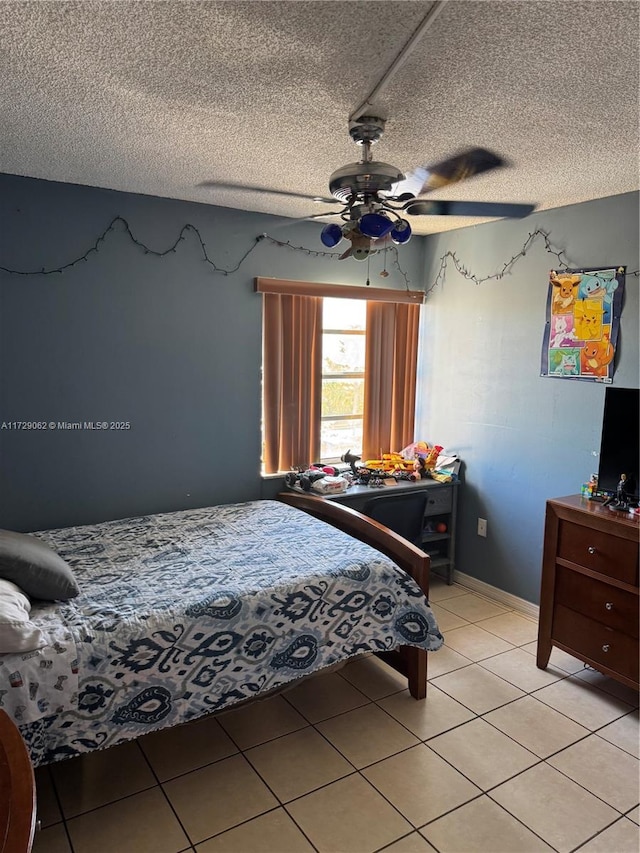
[(339, 371), (343, 371)]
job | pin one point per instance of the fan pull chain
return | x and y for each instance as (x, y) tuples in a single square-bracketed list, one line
[(384, 273)]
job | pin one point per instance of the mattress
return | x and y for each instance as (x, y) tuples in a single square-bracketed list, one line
[(185, 613)]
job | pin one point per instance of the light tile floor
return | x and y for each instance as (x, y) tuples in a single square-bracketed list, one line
[(500, 758)]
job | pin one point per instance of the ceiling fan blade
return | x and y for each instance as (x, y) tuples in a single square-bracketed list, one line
[(266, 191), (425, 179), (468, 208), (290, 220)]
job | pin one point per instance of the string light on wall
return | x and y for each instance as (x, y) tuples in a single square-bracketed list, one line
[(506, 267), (191, 229), (188, 228)]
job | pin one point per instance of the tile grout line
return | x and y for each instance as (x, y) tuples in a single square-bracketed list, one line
[(595, 835), (486, 794), (359, 771), (165, 795), (52, 784)]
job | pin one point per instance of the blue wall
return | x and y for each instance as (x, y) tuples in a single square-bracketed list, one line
[(166, 344), (175, 349), (523, 438)]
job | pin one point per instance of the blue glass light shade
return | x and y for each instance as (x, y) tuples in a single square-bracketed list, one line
[(331, 235), (401, 232), (375, 225)]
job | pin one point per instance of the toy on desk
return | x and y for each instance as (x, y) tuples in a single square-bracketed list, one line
[(303, 479), (369, 476), (390, 462), (420, 467), (432, 457), (314, 479), (402, 474), (330, 485), (351, 459), (441, 476)]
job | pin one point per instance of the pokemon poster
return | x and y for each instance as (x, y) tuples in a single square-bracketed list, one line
[(583, 319)]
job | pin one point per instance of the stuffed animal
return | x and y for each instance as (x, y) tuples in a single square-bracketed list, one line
[(360, 247)]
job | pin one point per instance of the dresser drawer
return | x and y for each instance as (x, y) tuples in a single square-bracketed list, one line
[(598, 551), (595, 641), (439, 500), (613, 607)]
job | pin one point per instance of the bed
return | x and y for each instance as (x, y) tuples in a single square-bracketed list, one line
[(187, 613)]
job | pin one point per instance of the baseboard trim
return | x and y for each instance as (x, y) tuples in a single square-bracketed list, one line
[(497, 595)]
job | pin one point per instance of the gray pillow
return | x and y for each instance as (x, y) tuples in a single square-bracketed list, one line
[(35, 567)]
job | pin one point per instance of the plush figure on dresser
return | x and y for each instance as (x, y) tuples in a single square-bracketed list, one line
[(565, 292)]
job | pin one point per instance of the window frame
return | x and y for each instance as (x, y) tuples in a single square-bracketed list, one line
[(360, 375), (386, 411)]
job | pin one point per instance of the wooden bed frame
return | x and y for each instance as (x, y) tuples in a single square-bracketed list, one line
[(408, 660), (17, 786), (17, 791)]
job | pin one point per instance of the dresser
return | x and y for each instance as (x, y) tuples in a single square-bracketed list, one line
[(589, 591)]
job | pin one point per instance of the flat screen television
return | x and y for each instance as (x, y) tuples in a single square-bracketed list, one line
[(619, 447)]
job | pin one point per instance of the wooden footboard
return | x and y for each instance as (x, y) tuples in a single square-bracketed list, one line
[(408, 660)]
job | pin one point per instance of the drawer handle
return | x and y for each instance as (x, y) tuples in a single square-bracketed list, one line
[(609, 605), (606, 647), (591, 549)]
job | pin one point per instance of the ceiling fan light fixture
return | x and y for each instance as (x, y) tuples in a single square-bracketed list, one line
[(401, 232), (375, 225), (331, 235)]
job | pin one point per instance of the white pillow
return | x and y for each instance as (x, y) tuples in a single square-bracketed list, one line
[(17, 632)]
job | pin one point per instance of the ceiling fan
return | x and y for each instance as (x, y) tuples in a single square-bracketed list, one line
[(376, 196)]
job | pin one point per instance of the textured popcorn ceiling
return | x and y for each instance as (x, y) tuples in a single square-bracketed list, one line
[(157, 97)]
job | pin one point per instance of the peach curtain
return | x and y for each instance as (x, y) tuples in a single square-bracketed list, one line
[(292, 369), (390, 383)]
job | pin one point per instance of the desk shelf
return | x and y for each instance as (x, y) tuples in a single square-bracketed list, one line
[(441, 507)]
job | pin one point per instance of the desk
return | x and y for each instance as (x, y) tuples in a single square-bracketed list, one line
[(441, 507)]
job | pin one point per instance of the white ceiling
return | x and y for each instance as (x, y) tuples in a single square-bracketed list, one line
[(158, 97)]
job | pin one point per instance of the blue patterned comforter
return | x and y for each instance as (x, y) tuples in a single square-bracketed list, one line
[(184, 613)]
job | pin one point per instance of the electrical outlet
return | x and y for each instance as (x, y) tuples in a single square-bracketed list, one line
[(482, 527)]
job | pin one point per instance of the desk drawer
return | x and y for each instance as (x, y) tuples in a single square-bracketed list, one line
[(603, 645), (615, 608), (599, 551), (439, 500)]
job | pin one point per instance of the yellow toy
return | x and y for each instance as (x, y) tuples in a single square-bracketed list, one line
[(390, 462)]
